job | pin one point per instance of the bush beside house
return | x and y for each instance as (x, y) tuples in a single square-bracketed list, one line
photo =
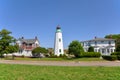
[(75, 49), (112, 57), (91, 54), (39, 52)]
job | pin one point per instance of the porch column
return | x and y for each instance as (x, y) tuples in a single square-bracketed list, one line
[(101, 51), (106, 52), (109, 51)]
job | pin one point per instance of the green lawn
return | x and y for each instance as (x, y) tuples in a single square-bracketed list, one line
[(60, 59), (30, 72)]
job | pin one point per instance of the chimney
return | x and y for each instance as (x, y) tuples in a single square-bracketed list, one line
[(95, 37), (22, 37), (36, 38)]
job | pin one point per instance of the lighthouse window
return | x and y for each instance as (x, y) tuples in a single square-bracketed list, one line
[(60, 50), (59, 40)]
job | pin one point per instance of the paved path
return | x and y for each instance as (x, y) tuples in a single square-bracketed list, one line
[(63, 63)]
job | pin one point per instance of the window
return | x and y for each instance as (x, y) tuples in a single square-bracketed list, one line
[(95, 50), (27, 51), (30, 44), (112, 50), (89, 43), (27, 45), (60, 50), (102, 41), (95, 43), (36, 45), (109, 42), (103, 51), (98, 50), (59, 40), (108, 51), (20, 50)]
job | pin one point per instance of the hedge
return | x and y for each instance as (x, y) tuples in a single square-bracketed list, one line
[(118, 57), (91, 54), (115, 53), (110, 58)]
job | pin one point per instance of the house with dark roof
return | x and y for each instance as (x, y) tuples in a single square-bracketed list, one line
[(27, 45), (103, 45)]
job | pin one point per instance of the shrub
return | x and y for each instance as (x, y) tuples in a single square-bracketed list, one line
[(111, 58), (118, 57), (22, 56), (91, 49), (106, 57), (53, 56), (75, 49), (91, 54), (62, 56), (115, 53)]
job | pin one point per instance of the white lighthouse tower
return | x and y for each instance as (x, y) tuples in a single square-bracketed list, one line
[(58, 46)]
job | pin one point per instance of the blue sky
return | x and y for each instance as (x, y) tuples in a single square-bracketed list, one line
[(79, 19)]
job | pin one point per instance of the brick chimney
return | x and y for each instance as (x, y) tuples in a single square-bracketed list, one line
[(22, 37), (36, 38), (95, 37)]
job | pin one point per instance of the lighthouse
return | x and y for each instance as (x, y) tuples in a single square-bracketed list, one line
[(58, 46)]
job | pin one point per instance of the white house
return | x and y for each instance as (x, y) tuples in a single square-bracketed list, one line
[(26, 46), (102, 45)]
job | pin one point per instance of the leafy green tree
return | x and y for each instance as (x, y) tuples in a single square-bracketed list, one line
[(113, 36), (75, 48), (37, 51), (5, 40), (90, 49), (118, 45), (12, 48)]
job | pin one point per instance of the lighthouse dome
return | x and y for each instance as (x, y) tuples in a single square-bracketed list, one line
[(58, 27)]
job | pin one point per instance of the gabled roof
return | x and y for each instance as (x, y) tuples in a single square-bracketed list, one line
[(28, 41)]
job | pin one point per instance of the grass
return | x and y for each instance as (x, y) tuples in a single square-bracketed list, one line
[(30, 72), (60, 59)]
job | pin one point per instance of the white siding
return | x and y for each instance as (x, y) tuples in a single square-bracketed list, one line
[(105, 47)]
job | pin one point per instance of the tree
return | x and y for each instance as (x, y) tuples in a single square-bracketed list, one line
[(75, 48), (118, 45), (37, 51), (90, 49), (5, 40), (113, 36), (12, 48)]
